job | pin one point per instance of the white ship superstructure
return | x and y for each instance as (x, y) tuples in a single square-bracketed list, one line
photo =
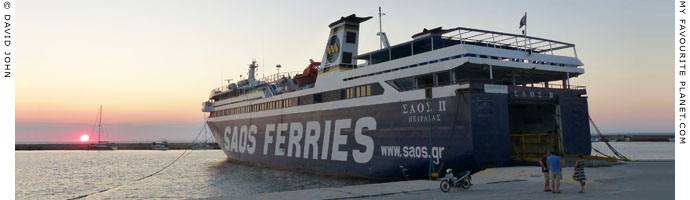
[(404, 106)]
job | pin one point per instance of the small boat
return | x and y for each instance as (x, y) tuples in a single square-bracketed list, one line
[(205, 144), (160, 146), (101, 145), (201, 146)]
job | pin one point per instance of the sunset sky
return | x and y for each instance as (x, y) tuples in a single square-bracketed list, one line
[(151, 63)]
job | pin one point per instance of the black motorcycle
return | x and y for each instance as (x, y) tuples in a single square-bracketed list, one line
[(464, 181)]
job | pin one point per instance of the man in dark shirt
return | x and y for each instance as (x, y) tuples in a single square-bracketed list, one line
[(545, 171)]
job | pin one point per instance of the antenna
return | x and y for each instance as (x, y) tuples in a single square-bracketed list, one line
[(384, 39), (380, 14)]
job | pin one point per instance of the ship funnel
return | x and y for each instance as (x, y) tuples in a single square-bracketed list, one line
[(341, 49)]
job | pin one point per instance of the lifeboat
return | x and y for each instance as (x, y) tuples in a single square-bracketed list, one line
[(308, 75)]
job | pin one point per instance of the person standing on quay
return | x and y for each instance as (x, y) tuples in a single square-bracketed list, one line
[(555, 164), (579, 174), (545, 171)]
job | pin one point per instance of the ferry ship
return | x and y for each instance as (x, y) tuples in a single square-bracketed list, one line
[(459, 98)]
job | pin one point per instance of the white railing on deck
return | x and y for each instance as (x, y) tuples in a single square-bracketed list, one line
[(270, 79), (507, 40)]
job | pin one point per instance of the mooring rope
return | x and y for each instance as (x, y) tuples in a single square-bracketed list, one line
[(606, 141), (152, 174)]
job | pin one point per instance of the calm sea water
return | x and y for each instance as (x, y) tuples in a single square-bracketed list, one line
[(639, 150), (201, 174)]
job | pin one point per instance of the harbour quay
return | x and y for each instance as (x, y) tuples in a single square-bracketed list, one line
[(627, 180)]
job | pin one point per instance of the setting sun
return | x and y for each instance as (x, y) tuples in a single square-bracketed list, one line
[(84, 138)]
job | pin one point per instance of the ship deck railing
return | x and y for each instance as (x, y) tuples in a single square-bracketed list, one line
[(270, 79), (522, 84), (273, 78), (469, 36), (507, 41)]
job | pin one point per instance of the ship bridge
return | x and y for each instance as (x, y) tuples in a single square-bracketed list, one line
[(495, 56)]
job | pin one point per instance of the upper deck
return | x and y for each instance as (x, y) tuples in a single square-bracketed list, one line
[(531, 49)]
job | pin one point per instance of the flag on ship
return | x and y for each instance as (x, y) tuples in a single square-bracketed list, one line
[(523, 21)]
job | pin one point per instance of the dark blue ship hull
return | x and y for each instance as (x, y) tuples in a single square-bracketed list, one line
[(468, 131)]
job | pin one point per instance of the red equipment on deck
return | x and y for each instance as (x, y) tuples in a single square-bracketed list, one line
[(308, 75)]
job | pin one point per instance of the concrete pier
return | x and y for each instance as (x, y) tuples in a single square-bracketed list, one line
[(630, 180)]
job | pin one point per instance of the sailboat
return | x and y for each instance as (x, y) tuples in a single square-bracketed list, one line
[(101, 145), (205, 144)]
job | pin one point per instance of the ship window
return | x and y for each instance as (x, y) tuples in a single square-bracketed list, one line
[(317, 98), (333, 95), (401, 51), (404, 83), (425, 81), (368, 89), (347, 57), (379, 57), (421, 46), (350, 37), (440, 42), (443, 78)]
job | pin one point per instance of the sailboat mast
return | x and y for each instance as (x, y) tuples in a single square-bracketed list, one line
[(100, 118)]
